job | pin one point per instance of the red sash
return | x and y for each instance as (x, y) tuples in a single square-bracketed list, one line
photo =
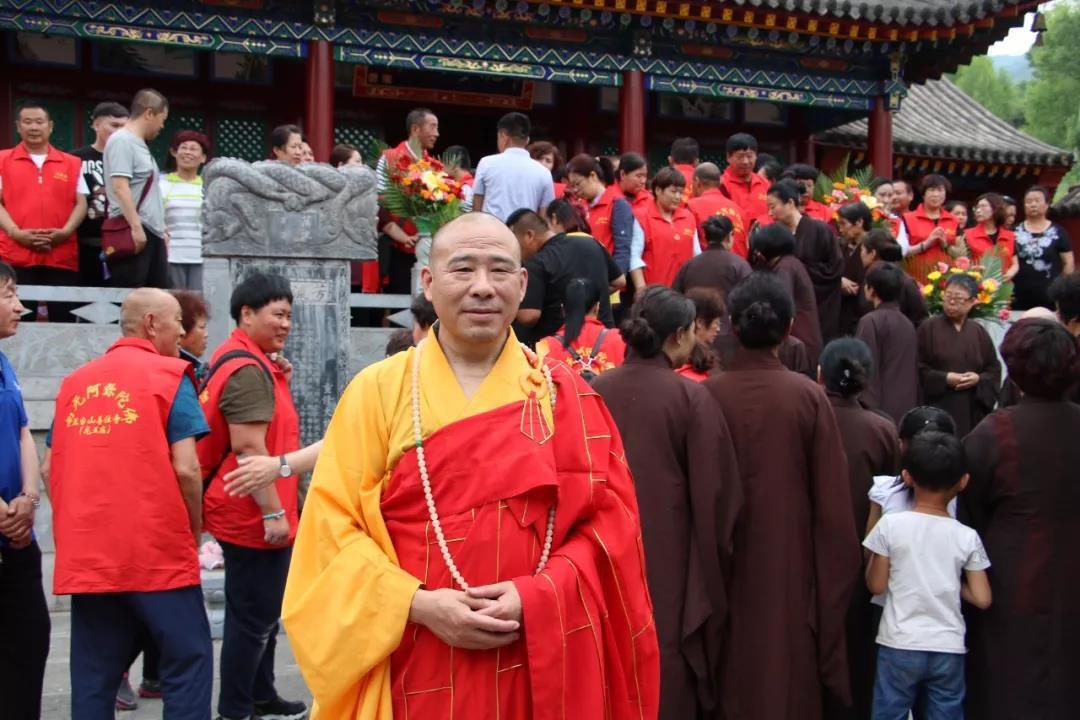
[(493, 487)]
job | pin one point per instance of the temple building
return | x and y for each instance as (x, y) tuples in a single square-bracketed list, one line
[(602, 76)]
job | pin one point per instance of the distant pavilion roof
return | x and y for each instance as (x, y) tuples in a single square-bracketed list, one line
[(938, 120)]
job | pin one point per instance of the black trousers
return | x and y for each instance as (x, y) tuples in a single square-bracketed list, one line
[(254, 587), (24, 629), (105, 630), (150, 268), (91, 267), (45, 275)]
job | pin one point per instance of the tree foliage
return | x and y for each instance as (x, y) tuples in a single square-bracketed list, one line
[(1052, 102), (992, 88)]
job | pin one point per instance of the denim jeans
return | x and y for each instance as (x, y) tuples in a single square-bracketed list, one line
[(905, 675), (254, 586)]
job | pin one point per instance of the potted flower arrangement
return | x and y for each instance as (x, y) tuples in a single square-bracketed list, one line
[(995, 292), (844, 188)]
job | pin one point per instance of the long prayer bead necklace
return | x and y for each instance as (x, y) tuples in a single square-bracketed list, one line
[(421, 463)]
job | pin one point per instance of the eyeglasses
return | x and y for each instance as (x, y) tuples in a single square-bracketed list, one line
[(956, 299)]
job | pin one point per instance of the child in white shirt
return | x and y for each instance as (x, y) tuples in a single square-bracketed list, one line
[(917, 558)]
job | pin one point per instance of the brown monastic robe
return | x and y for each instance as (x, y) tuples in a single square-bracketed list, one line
[(681, 456), (791, 271), (714, 268), (944, 349), (797, 556), (1023, 499), (852, 307), (819, 249), (894, 346), (792, 352), (872, 447)]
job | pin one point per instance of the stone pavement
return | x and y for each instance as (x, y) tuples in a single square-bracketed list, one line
[(56, 702)]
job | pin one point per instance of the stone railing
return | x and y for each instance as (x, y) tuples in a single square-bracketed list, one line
[(44, 353)]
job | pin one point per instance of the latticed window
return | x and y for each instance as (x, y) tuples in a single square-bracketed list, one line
[(242, 138), (367, 139)]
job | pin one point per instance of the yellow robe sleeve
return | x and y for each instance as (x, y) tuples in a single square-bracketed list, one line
[(346, 601)]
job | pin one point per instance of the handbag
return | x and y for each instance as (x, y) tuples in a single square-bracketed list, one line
[(116, 240)]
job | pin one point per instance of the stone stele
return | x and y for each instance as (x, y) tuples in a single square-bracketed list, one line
[(307, 223)]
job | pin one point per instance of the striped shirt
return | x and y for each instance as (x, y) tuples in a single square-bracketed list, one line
[(183, 218)]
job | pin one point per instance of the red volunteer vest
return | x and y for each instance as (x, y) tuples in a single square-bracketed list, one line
[(687, 171), (712, 202), (610, 354), (119, 518), (667, 244), (819, 211), (749, 196), (920, 225), (39, 199), (979, 243), (239, 520), (600, 218)]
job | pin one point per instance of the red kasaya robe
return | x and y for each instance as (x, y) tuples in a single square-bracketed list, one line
[(588, 647)]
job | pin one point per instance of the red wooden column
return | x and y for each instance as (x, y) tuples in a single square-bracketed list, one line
[(879, 141), (632, 112), (319, 99)]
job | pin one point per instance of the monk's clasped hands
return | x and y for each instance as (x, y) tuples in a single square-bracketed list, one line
[(485, 618)]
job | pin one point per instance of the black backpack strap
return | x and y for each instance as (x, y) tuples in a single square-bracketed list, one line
[(228, 356), (598, 343), (570, 349), (234, 355)]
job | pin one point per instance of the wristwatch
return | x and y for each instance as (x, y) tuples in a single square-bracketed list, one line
[(285, 471)]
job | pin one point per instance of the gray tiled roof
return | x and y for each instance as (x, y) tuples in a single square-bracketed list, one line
[(932, 13), (938, 120)]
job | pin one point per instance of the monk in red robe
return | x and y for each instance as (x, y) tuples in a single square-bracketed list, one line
[(471, 544)]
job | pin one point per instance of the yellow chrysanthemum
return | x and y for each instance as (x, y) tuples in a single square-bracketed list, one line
[(934, 276), (984, 298), (928, 290), (991, 285)]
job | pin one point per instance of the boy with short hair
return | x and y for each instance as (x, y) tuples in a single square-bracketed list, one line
[(916, 559)]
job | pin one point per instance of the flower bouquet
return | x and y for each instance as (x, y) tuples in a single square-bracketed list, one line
[(995, 292), (843, 189), (422, 191)]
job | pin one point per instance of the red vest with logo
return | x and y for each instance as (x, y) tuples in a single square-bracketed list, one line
[(38, 199), (979, 243), (119, 518), (712, 202), (239, 520), (600, 217), (749, 196), (919, 226), (668, 245)]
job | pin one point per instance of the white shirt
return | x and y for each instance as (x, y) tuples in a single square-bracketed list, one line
[(927, 555), (512, 180)]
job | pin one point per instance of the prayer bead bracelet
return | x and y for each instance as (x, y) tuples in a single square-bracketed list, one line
[(421, 463)]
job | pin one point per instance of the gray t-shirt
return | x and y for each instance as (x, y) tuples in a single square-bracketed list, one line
[(128, 156)]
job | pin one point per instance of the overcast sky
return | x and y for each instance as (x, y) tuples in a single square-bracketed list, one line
[(1020, 40)]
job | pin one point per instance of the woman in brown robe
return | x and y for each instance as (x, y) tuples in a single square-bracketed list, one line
[(872, 448), (893, 344), (853, 221), (958, 365), (1023, 499), (797, 556), (818, 249), (772, 248), (680, 453)]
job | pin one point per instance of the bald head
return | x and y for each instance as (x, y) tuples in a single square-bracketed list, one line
[(475, 280), (153, 315), (707, 174), (473, 229)]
